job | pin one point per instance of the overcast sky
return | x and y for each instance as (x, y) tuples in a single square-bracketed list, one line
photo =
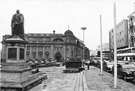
[(44, 16)]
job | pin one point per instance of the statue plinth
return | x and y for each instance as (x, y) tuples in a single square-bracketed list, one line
[(15, 73)]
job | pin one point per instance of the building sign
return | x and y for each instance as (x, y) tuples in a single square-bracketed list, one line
[(12, 53)]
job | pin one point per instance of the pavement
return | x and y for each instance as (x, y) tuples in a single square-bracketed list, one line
[(105, 82), (65, 82), (87, 80)]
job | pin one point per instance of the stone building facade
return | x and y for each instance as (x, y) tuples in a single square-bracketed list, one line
[(52, 46)]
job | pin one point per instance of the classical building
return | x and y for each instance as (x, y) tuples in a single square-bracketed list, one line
[(53, 46), (93, 53), (121, 35)]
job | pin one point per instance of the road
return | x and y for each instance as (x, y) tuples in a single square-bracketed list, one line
[(57, 80)]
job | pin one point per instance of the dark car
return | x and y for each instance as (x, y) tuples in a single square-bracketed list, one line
[(125, 71), (104, 65), (52, 64), (109, 66), (95, 60)]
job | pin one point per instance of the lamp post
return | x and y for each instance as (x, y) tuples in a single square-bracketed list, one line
[(115, 49), (83, 28), (101, 62)]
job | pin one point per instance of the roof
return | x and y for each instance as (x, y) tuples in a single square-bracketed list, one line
[(69, 33)]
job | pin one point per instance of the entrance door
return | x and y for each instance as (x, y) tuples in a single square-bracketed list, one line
[(58, 57)]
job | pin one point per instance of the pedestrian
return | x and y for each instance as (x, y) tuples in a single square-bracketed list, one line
[(88, 64)]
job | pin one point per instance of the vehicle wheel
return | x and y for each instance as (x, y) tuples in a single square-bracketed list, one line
[(124, 77)]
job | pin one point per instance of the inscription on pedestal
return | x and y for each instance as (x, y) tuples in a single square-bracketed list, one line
[(21, 53), (12, 54)]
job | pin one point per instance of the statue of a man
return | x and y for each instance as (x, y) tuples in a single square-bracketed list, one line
[(17, 24)]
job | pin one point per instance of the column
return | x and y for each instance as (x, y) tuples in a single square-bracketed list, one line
[(25, 52), (52, 52), (64, 51), (30, 52), (43, 52), (6, 52), (3, 51), (37, 52), (18, 54)]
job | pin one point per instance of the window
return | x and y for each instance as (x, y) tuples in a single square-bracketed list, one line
[(120, 33)]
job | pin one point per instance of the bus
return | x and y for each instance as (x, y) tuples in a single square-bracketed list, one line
[(127, 54)]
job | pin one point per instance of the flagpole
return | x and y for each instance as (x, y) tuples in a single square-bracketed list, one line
[(115, 50), (101, 63)]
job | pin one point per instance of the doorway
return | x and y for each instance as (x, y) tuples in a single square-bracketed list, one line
[(58, 57)]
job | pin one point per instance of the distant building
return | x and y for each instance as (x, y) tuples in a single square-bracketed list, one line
[(105, 50), (53, 46), (93, 53), (121, 36), (131, 19)]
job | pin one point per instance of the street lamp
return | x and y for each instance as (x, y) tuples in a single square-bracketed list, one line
[(83, 28)]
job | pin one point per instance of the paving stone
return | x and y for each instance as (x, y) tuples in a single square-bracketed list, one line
[(105, 82)]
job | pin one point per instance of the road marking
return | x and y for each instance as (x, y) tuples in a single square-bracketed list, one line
[(85, 82), (80, 83)]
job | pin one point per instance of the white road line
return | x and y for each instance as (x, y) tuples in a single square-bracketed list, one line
[(80, 84), (85, 82)]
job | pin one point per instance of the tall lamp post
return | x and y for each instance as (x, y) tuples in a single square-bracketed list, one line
[(101, 63), (83, 28), (115, 49)]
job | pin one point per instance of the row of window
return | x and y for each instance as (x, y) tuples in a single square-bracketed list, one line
[(38, 34)]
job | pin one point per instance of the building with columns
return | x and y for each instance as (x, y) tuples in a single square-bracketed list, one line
[(52, 46)]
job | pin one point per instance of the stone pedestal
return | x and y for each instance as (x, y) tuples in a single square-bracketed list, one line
[(16, 75)]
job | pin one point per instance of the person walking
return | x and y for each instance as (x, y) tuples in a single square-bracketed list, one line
[(88, 64)]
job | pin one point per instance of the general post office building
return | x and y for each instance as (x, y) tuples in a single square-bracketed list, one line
[(52, 46)]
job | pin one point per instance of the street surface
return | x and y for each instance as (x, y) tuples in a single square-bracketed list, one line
[(57, 80)]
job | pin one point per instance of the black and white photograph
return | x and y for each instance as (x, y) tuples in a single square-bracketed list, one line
[(67, 45)]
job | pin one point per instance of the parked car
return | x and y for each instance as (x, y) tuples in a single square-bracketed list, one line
[(104, 65), (109, 66), (52, 64), (96, 59), (125, 71)]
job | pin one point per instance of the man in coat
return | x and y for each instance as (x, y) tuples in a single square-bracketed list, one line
[(17, 24)]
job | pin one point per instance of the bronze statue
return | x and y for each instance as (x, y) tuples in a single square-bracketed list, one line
[(17, 24)]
